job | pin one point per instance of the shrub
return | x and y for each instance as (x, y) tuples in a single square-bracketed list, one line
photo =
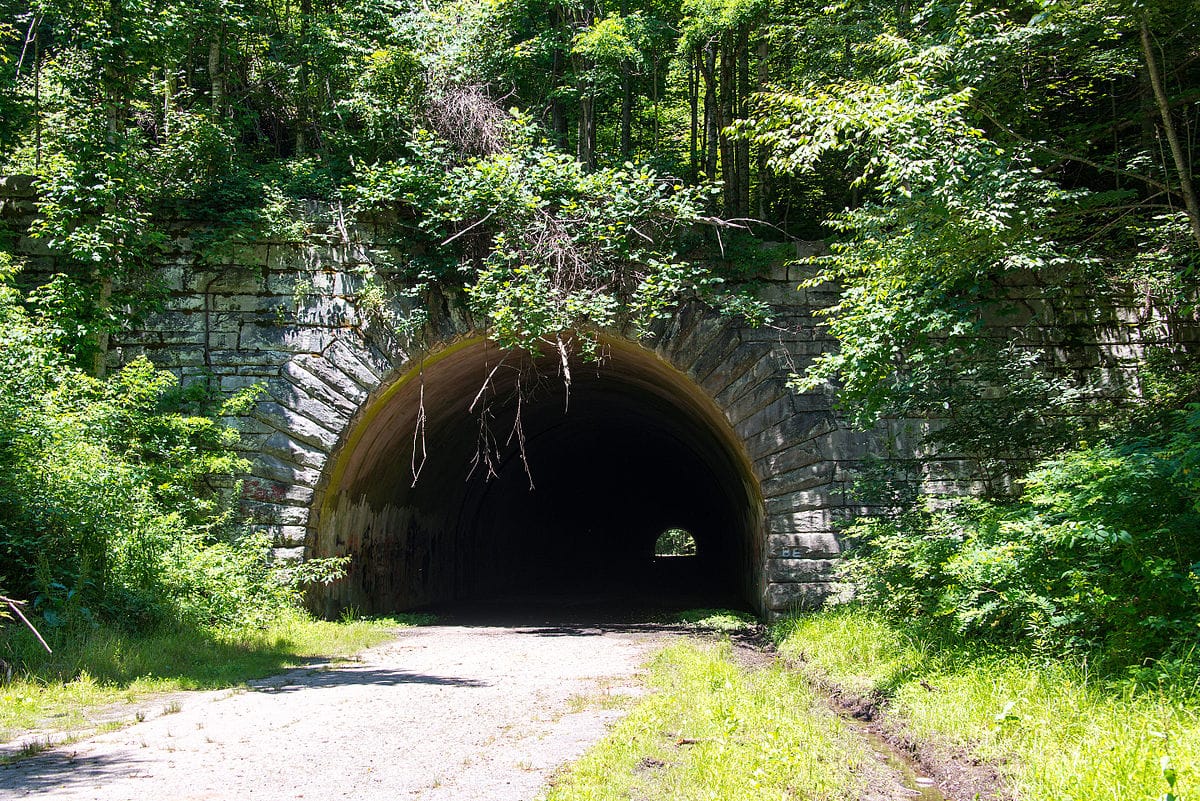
[(1098, 552), (111, 501)]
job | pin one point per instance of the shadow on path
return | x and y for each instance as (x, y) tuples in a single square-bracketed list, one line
[(320, 678), (61, 768)]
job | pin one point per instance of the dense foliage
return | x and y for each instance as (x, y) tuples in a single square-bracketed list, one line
[(948, 150), (563, 250), (1098, 555), (993, 145), (110, 510)]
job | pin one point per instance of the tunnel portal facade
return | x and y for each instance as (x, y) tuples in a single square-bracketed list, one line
[(389, 429), (448, 470), (370, 440), (455, 471)]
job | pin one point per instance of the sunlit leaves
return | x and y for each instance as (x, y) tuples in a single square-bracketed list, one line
[(966, 134), (544, 245)]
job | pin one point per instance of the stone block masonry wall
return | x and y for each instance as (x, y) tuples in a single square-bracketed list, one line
[(283, 316), (287, 316), (290, 316)]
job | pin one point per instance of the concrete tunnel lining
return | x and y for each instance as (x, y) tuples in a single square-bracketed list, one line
[(634, 448)]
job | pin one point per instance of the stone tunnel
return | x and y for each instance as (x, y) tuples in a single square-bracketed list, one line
[(398, 445), (556, 480), (369, 442), (449, 470)]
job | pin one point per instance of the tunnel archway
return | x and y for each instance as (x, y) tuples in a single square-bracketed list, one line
[(477, 474), (675, 542)]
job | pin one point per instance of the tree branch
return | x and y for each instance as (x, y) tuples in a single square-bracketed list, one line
[(16, 607), (1063, 154), (1182, 165)]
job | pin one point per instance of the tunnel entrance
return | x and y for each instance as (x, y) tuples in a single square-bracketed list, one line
[(480, 474)]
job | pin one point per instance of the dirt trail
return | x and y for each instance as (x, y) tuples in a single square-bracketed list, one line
[(442, 712)]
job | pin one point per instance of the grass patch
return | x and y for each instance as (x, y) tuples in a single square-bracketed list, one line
[(722, 620), (599, 700), (713, 731), (1058, 730), (97, 668)]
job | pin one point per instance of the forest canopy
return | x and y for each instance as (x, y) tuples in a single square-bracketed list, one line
[(943, 148)]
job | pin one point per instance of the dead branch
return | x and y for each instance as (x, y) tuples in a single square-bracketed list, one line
[(470, 227), (518, 432), (566, 371), (485, 448), (487, 382), (15, 606), (419, 432), (468, 118)]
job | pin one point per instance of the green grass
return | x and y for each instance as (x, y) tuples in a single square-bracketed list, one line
[(711, 730), (1059, 731), (102, 667), (721, 620)]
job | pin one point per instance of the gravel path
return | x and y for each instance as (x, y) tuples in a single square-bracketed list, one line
[(442, 712)]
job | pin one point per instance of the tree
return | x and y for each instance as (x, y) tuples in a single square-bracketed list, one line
[(973, 138)]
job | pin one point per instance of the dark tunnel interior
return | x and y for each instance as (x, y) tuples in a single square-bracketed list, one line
[(542, 491)]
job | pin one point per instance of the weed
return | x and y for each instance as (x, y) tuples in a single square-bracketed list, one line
[(1058, 729), (712, 730), (92, 668), (598, 700), (721, 620), (33, 748)]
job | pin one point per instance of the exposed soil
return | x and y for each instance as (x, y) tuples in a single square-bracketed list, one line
[(956, 773), (477, 710)]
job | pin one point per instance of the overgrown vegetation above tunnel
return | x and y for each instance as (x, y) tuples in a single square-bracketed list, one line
[(571, 164)]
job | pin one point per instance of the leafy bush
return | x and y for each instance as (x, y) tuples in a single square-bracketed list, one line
[(1098, 552), (111, 501), (542, 245)]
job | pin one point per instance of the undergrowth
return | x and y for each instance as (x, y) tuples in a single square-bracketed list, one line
[(1096, 556), (1057, 728), (713, 731)]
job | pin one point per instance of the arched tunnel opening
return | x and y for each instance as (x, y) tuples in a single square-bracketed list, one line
[(481, 475)]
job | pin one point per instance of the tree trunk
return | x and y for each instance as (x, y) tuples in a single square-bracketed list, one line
[(584, 150), (558, 117), (37, 103), (766, 188), (725, 106), (694, 104), (114, 103), (742, 146), (168, 96), (113, 84), (303, 107), (626, 111), (654, 97), (1182, 166), (103, 303), (215, 76), (708, 72)]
